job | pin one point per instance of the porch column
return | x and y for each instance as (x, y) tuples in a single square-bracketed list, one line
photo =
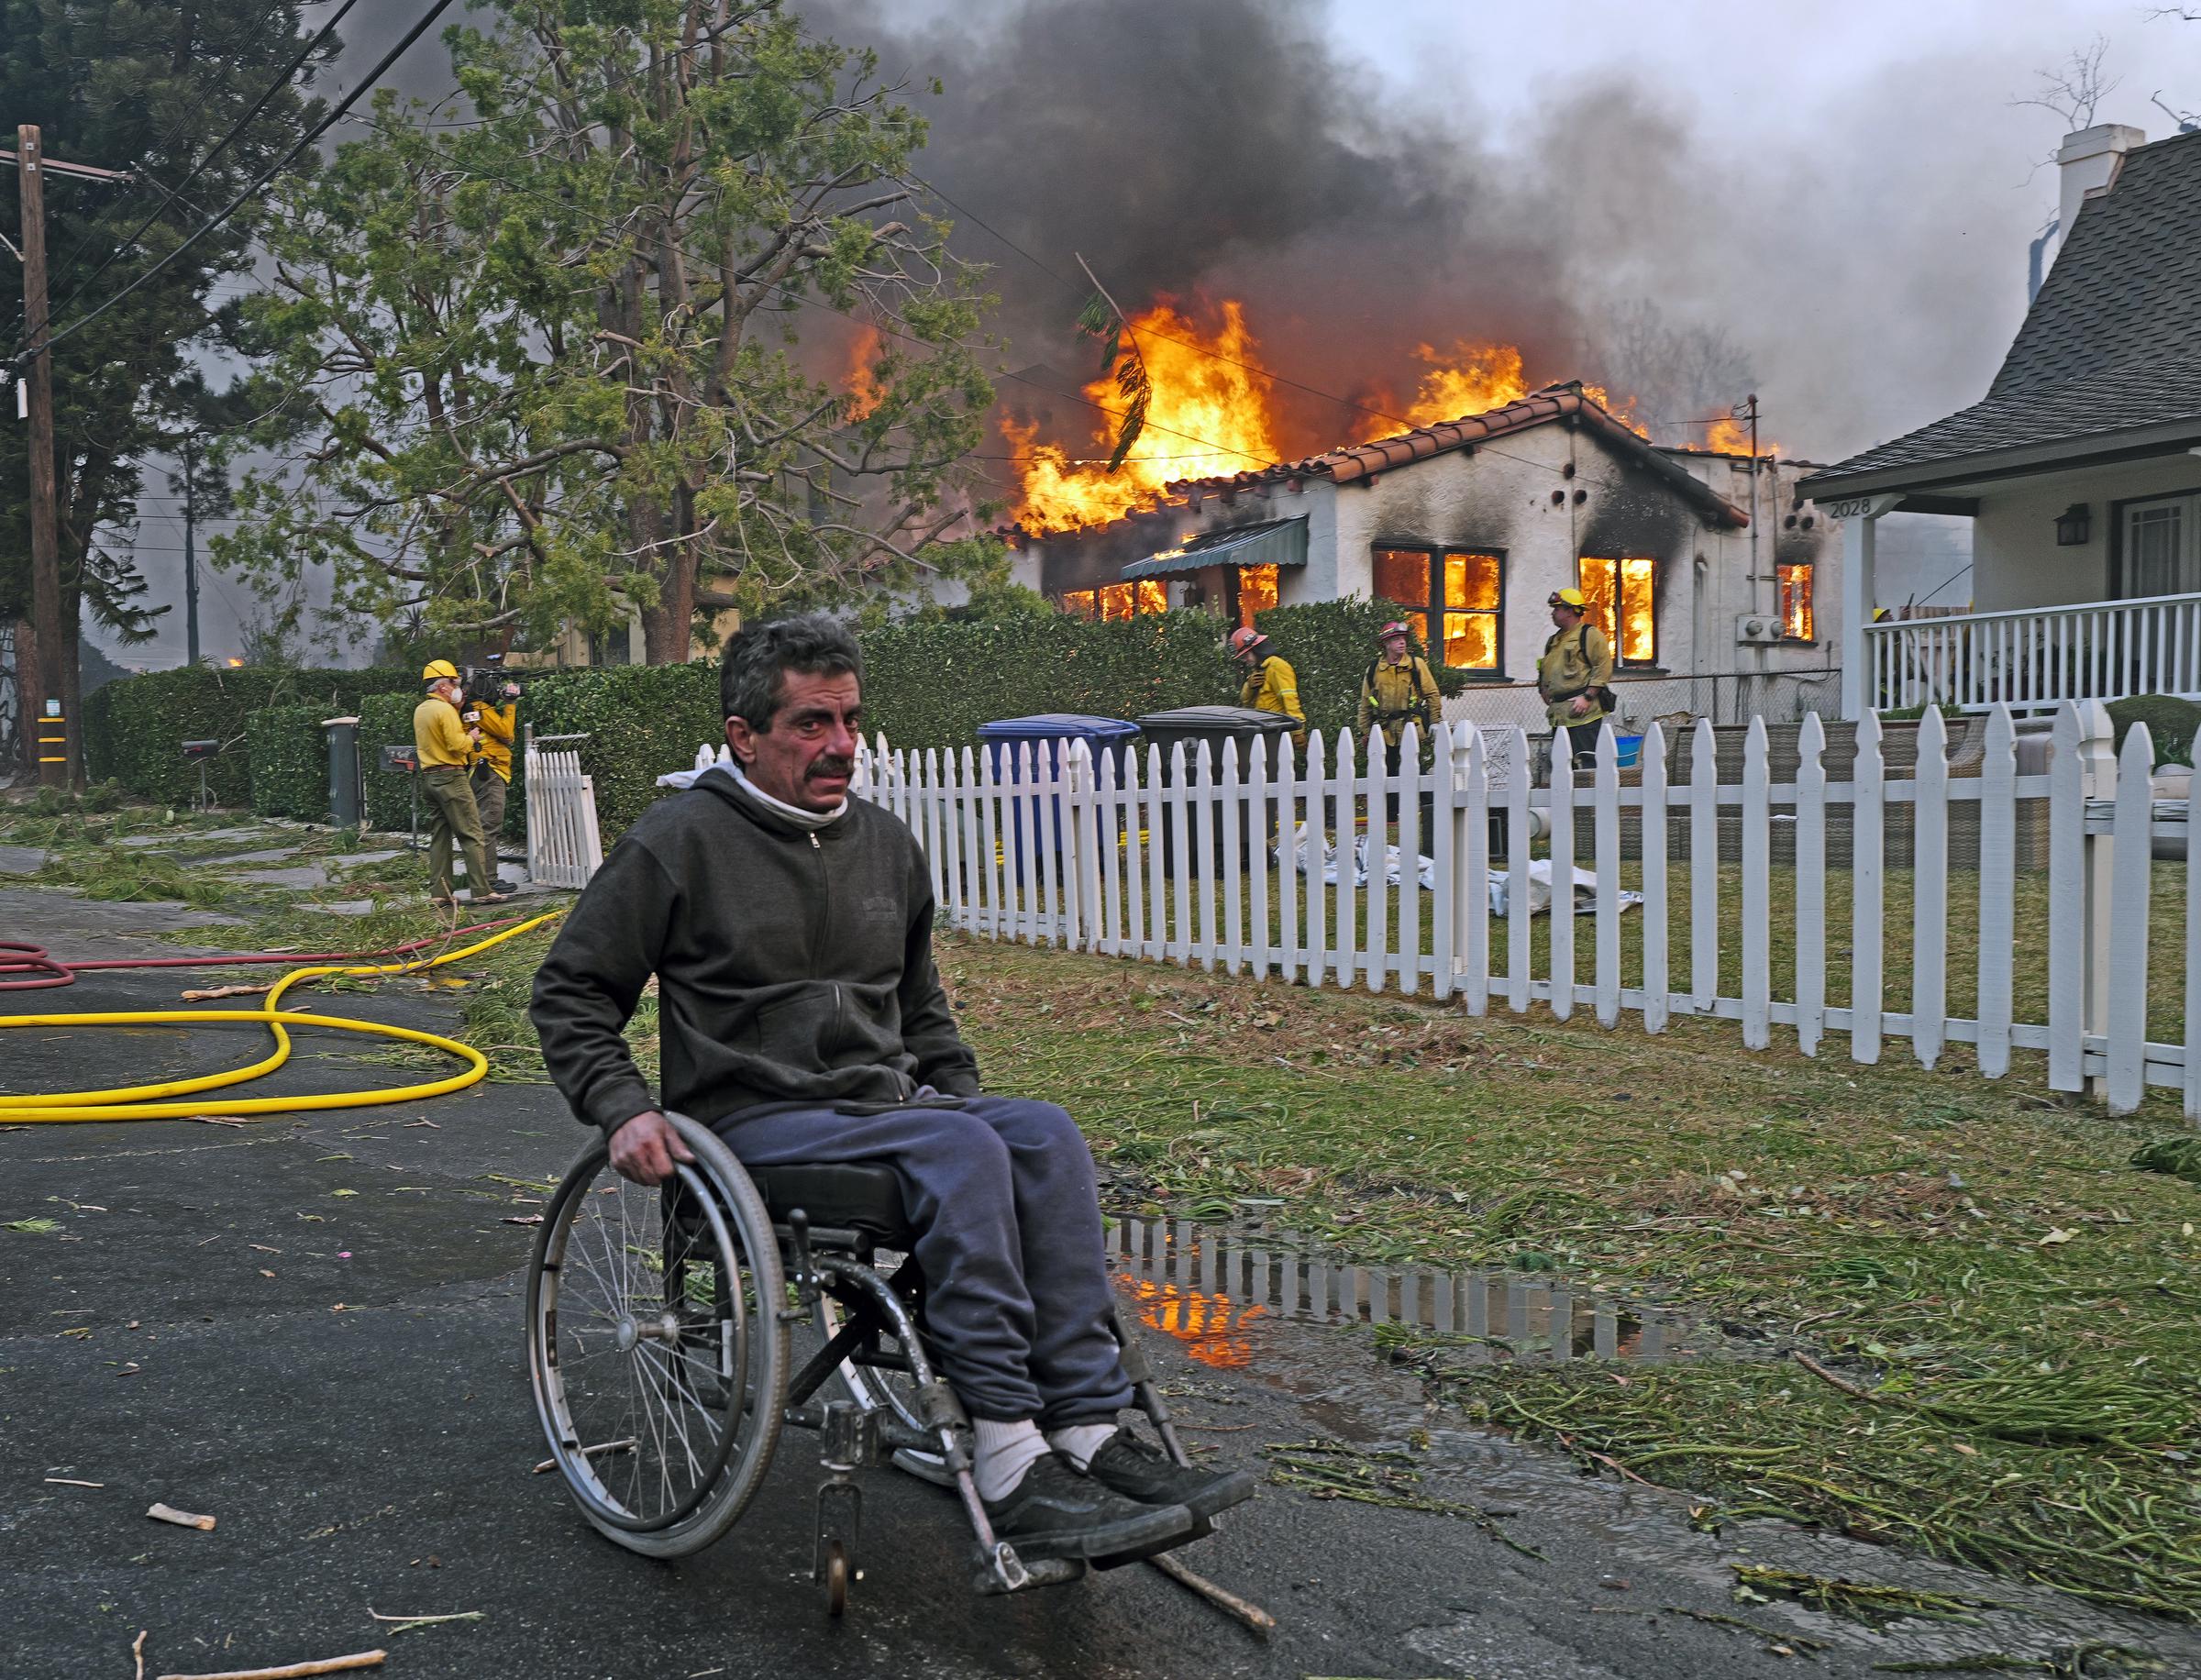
[(1860, 519)]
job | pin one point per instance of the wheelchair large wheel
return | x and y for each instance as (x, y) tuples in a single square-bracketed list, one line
[(657, 1348)]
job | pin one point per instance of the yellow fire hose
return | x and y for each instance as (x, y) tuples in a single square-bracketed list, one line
[(143, 1101)]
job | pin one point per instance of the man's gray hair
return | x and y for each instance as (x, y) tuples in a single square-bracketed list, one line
[(751, 677)]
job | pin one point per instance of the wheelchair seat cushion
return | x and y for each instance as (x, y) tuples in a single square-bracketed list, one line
[(858, 1196)]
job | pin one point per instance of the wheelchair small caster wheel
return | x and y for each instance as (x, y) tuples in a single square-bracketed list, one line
[(835, 1578)]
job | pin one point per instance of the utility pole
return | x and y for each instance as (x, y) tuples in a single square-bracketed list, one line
[(191, 555), (56, 732)]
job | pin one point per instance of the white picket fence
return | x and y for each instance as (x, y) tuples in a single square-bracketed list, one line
[(1196, 861), (564, 848)]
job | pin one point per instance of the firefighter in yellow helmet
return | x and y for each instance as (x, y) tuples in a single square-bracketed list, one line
[(1398, 688), (444, 751), (1571, 678), (1271, 685)]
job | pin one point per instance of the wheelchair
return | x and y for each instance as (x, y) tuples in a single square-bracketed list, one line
[(660, 1335)]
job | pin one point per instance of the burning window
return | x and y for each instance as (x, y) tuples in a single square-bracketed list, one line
[(1463, 592), (1796, 603), (1256, 591), (1114, 600), (1621, 589)]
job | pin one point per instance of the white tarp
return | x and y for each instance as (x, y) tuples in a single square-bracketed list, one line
[(704, 759), (1540, 877), (1539, 890)]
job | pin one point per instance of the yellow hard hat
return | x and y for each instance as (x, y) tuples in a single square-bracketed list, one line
[(436, 671), (1569, 598)]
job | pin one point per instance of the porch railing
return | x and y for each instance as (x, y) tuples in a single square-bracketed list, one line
[(2036, 657)]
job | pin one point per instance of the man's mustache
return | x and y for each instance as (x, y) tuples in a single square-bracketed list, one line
[(832, 767)]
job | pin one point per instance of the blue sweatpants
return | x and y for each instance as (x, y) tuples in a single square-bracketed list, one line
[(1003, 1196)]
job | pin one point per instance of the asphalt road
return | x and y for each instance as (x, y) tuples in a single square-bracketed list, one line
[(359, 1422)]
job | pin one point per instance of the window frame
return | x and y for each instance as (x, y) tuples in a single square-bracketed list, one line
[(1616, 561), (1432, 607), (1811, 570), (2120, 519)]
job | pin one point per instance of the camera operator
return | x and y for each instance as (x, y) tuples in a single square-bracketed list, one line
[(492, 719)]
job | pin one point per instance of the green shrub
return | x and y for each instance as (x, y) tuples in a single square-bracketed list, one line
[(641, 720), (134, 730), (387, 720), (288, 752), (2171, 724)]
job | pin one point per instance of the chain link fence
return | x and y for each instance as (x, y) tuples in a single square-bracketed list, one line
[(1725, 697)]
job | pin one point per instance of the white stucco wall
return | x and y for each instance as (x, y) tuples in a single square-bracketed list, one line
[(2015, 559)]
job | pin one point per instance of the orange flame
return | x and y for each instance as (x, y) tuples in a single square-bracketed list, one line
[(865, 392), (1208, 416), (1732, 437)]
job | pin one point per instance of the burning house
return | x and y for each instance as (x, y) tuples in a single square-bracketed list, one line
[(1717, 578)]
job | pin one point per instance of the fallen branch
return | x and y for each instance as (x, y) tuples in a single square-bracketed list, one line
[(182, 1519), (203, 994), (293, 1671), (138, 1651), (1841, 1383), (1257, 1621)]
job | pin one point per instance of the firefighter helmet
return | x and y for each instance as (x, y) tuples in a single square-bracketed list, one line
[(1569, 598), (1396, 627), (1244, 640), (440, 670)]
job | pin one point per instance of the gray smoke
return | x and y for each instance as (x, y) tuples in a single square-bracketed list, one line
[(1862, 270)]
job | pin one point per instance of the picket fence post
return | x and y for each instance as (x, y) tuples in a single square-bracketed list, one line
[(1657, 982), (1757, 892), (1561, 912), (1811, 884), (1998, 891), (1607, 781), (1930, 891), (2127, 1022)]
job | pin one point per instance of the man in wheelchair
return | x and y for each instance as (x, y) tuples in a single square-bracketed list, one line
[(801, 1017)]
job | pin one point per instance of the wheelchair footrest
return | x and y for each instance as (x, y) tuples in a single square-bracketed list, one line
[(1005, 1572)]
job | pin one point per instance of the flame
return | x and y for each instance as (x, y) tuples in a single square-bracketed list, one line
[(1475, 377), (1208, 1326), (1208, 416), (865, 391)]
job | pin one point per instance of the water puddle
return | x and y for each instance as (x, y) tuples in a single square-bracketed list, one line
[(1213, 1290)]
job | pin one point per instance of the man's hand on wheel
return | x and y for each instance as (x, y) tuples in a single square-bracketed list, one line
[(647, 1147)]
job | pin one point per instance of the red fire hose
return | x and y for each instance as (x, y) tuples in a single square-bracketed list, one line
[(41, 970)]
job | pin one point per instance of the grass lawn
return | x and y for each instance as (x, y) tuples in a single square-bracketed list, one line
[(2005, 1308)]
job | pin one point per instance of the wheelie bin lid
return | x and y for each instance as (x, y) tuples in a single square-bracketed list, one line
[(1055, 726), (1218, 720)]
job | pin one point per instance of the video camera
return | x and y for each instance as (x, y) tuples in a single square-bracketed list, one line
[(485, 683)]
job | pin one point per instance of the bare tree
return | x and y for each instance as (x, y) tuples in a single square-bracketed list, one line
[(1681, 377), (2075, 89)]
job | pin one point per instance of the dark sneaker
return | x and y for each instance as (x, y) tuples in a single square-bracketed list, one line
[(1056, 1512), (1141, 1471)]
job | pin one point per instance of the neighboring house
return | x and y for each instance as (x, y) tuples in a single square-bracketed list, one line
[(2078, 468), (1471, 524)]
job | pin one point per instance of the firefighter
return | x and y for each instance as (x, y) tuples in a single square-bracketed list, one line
[(494, 717), (1271, 685), (1398, 688), (1572, 678), (445, 750)]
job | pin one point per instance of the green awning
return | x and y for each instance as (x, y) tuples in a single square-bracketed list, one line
[(1275, 542)]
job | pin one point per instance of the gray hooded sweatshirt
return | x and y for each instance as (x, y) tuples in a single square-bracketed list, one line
[(794, 965)]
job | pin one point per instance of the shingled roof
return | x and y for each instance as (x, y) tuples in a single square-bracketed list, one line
[(1364, 461), (2109, 355)]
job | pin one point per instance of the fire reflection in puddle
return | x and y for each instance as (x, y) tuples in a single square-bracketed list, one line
[(1207, 1289)]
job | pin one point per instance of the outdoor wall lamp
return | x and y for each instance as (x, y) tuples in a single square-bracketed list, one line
[(2073, 525)]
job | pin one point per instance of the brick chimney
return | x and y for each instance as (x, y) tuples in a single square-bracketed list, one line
[(2087, 163)]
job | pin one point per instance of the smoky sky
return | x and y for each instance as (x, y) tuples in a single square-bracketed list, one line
[(1861, 265)]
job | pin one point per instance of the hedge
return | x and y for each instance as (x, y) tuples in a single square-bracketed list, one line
[(288, 752), (134, 730), (2172, 724)]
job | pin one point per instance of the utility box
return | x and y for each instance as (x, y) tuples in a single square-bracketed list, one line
[(344, 790), (1190, 725)]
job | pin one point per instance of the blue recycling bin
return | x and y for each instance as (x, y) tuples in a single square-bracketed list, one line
[(1050, 732)]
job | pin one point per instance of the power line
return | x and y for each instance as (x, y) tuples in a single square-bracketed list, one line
[(435, 10), (289, 75)]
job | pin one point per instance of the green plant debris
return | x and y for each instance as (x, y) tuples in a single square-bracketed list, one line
[(2180, 1156), (32, 1227), (1330, 1470), (1862, 1601), (1772, 1636)]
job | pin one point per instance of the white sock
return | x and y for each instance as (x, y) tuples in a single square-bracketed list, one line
[(1005, 1451), (1079, 1441)]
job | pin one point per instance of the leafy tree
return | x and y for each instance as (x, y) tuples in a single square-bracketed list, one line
[(149, 87), (540, 357)]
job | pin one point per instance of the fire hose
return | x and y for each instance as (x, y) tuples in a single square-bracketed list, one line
[(152, 1101)]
